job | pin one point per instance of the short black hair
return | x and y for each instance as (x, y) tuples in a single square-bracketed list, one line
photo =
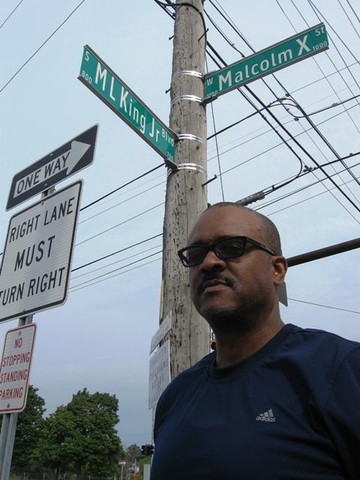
[(271, 233)]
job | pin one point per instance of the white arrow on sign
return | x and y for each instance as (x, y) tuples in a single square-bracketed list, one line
[(67, 161)]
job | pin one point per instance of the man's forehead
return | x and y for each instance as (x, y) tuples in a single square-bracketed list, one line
[(226, 220)]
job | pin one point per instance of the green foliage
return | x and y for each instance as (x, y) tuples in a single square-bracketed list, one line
[(81, 438), (29, 425)]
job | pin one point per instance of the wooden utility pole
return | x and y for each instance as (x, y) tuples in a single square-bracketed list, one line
[(186, 195)]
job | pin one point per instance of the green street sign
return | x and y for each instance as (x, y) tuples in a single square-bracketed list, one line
[(101, 80), (298, 47)]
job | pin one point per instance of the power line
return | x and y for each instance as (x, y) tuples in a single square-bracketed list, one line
[(116, 252), (284, 129), (324, 306), (116, 262), (121, 187), (12, 12), (119, 271), (119, 224), (121, 203), (41, 46), (353, 10)]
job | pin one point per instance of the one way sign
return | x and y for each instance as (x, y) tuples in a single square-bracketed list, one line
[(68, 159)]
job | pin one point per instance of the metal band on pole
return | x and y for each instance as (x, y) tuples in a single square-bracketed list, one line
[(189, 136), (187, 73), (189, 98), (192, 166)]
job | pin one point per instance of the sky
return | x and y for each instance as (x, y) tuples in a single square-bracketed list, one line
[(100, 338)]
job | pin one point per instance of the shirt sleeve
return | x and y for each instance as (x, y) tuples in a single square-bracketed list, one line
[(343, 414)]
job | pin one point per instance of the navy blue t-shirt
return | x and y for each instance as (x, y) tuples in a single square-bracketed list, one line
[(290, 411)]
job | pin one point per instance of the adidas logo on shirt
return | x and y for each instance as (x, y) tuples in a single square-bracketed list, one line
[(267, 416)]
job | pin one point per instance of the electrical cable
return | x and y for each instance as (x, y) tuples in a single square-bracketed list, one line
[(283, 197), (119, 224), (324, 306), (320, 15), (217, 153), (12, 12), (115, 253), (321, 70), (248, 44), (353, 10), (263, 206), (327, 143), (116, 262), (41, 46), (323, 138), (329, 107), (118, 270), (281, 126), (121, 187), (121, 203), (349, 19)]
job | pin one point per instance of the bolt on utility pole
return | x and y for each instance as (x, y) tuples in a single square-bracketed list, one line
[(186, 195)]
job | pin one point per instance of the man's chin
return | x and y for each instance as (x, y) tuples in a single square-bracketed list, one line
[(217, 313), (228, 320)]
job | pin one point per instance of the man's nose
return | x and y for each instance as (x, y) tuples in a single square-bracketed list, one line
[(211, 260)]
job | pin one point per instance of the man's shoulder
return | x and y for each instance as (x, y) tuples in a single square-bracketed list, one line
[(323, 335), (322, 342)]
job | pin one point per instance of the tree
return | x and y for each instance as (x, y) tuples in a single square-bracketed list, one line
[(81, 437), (29, 424)]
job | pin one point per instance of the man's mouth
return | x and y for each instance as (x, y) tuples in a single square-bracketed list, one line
[(213, 283)]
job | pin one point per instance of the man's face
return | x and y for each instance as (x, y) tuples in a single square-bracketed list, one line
[(242, 287)]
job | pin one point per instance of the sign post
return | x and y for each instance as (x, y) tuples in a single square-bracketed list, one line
[(103, 81), (287, 52)]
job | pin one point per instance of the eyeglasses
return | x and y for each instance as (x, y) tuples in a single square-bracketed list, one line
[(224, 249)]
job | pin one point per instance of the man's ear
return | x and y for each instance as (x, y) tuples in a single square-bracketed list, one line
[(280, 268)]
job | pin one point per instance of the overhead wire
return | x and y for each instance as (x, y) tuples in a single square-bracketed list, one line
[(324, 306), (78, 288), (264, 106), (118, 270), (124, 249), (120, 224), (91, 272), (330, 59), (122, 202), (41, 46), (273, 201), (349, 19), (269, 130), (217, 153), (121, 187), (54, 32), (274, 117), (321, 17), (305, 116), (353, 10), (299, 190), (11, 13), (323, 138)]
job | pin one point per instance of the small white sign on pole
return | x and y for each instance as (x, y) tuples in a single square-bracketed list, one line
[(161, 332), (15, 368), (159, 373)]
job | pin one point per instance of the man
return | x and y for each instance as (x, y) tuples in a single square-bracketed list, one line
[(273, 401)]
